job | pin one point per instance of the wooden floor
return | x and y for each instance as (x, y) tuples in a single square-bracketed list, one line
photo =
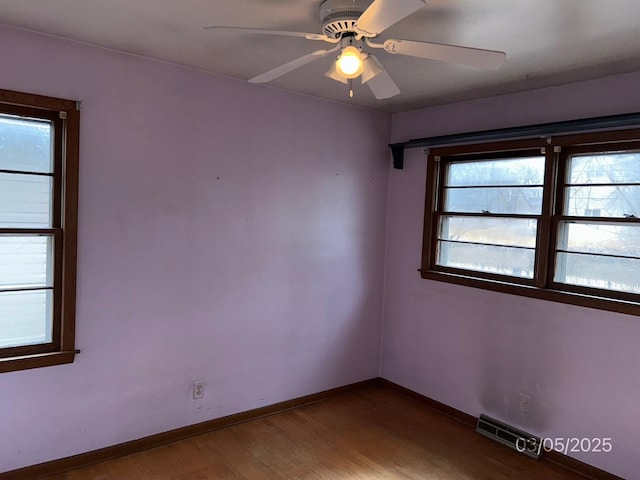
[(375, 433)]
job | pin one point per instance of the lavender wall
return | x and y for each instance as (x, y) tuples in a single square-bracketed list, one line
[(235, 234), (478, 350), (228, 233)]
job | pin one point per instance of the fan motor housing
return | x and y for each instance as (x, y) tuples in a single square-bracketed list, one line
[(339, 16)]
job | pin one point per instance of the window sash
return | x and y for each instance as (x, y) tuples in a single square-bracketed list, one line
[(479, 239), (591, 285), (56, 288), (54, 228)]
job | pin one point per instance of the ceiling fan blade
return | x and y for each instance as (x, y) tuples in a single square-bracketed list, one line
[(381, 14), (380, 82), (474, 57), (292, 65), (261, 31)]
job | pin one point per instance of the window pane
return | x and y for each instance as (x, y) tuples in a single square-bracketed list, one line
[(25, 318), (518, 200), (621, 240), (603, 201), (25, 201), (496, 231), (25, 144), (515, 171), (610, 273), (25, 261), (516, 262), (605, 168)]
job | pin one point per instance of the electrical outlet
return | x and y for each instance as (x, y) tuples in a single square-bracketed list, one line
[(198, 390), (525, 403)]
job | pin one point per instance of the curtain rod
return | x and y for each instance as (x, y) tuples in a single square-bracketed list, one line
[(512, 133)]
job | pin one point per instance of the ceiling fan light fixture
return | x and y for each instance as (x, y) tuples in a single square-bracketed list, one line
[(371, 68), (350, 25), (349, 63)]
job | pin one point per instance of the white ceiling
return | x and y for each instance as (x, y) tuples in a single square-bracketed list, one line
[(547, 42)]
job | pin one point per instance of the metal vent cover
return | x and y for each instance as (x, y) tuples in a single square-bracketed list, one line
[(339, 16), (341, 25), (520, 441)]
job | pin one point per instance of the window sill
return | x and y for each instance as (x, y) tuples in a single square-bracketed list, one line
[(600, 303), (13, 364)]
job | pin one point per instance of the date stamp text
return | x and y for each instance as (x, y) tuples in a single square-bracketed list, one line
[(564, 445)]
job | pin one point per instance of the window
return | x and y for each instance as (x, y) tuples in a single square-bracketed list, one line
[(38, 223), (601, 251), (489, 217), (555, 218)]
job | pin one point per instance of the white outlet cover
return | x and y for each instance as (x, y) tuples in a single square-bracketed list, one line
[(198, 390)]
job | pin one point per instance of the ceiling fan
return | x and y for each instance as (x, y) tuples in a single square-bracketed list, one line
[(351, 25)]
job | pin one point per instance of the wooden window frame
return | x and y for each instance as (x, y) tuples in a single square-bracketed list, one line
[(65, 120), (557, 151)]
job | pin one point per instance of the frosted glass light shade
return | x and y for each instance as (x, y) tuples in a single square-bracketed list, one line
[(334, 74), (371, 68)]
